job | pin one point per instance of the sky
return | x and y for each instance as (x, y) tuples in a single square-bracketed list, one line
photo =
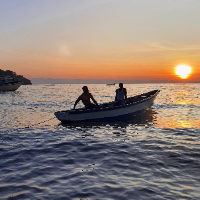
[(134, 40)]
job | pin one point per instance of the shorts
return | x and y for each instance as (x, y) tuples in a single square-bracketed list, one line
[(91, 106), (119, 102)]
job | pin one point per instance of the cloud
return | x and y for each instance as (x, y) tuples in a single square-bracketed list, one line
[(64, 50), (163, 46)]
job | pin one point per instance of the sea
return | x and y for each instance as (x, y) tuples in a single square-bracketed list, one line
[(154, 156)]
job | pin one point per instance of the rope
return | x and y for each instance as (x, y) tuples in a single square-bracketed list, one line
[(26, 127), (40, 122)]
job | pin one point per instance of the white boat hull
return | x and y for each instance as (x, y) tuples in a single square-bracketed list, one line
[(110, 113), (10, 87)]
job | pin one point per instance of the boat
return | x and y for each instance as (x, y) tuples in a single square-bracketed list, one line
[(108, 111), (9, 87), (7, 83), (110, 84), (50, 84)]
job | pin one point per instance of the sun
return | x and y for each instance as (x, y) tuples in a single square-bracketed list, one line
[(183, 71)]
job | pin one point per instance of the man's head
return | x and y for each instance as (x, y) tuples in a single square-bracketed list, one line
[(85, 89), (121, 85)]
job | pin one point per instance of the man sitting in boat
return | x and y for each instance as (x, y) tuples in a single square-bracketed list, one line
[(121, 95), (85, 98)]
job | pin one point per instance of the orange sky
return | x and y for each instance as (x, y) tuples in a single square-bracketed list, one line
[(107, 39)]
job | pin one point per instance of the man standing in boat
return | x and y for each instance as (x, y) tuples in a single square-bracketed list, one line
[(85, 98), (121, 95)]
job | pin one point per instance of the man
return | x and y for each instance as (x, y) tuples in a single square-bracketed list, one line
[(121, 95), (85, 98)]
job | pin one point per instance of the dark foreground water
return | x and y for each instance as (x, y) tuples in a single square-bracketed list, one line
[(153, 156)]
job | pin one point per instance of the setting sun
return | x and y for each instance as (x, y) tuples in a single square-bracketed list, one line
[(183, 71)]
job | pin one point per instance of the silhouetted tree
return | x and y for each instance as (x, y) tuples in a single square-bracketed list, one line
[(16, 77)]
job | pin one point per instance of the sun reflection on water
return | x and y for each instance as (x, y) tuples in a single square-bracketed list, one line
[(181, 107)]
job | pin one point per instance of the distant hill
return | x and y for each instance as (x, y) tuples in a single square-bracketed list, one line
[(16, 77)]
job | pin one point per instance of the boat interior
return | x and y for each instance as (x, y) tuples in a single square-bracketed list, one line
[(129, 100)]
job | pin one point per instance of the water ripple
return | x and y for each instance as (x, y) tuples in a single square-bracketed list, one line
[(153, 156)]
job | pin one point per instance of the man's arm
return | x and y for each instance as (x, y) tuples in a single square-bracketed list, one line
[(116, 96), (125, 93), (93, 99), (79, 98)]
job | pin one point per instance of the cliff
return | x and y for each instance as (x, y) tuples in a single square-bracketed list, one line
[(16, 77)]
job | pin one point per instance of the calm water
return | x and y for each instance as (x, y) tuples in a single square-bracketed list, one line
[(153, 156)]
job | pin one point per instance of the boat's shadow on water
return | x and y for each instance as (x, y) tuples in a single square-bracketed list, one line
[(145, 119)]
